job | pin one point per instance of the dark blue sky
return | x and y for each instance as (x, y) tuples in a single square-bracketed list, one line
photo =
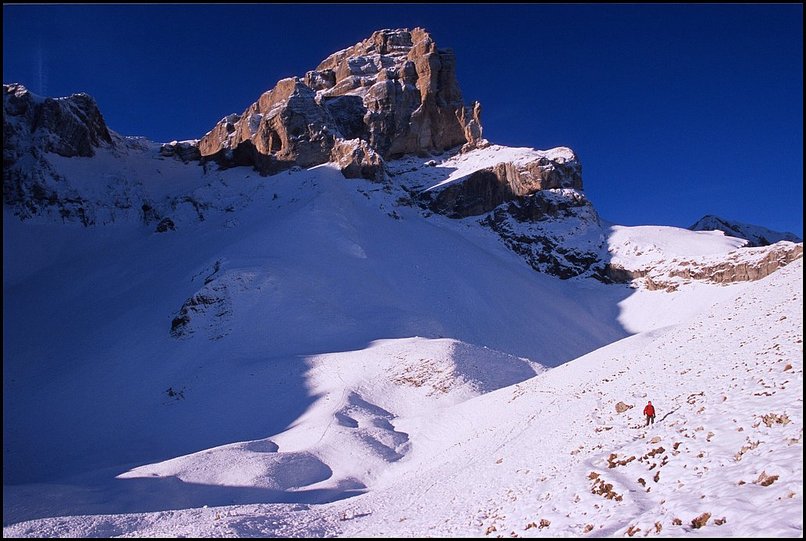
[(675, 111)]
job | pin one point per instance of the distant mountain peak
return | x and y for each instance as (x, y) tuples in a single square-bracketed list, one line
[(755, 235)]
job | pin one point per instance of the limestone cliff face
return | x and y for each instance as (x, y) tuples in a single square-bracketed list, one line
[(71, 126), (487, 188), (742, 265), (556, 231), (395, 91), (411, 99), (738, 267)]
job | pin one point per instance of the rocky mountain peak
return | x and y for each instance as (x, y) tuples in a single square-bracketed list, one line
[(395, 91), (33, 126), (71, 126)]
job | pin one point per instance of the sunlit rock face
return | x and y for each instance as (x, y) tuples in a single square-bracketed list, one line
[(395, 91)]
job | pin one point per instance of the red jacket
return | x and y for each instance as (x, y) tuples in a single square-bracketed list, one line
[(649, 410)]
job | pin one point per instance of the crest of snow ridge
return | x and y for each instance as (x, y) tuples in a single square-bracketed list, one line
[(755, 235)]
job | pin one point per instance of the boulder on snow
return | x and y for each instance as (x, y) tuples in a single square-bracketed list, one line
[(621, 407), (186, 151), (166, 224)]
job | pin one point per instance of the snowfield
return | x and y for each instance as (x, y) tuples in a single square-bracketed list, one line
[(307, 356)]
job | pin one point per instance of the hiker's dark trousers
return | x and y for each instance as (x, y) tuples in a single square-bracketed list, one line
[(650, 419)]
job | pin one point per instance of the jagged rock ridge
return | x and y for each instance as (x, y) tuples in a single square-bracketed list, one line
[(392, 94), (72, 126), (32, 126)]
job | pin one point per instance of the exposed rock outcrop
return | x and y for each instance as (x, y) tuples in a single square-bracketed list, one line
[(209, 311), (395, 91), (33, 126), (531, 198), (742, 265), (187, 151), (69, 127), (412, 99), (285, 127), (166, 224), (557, 231), (487, 188)]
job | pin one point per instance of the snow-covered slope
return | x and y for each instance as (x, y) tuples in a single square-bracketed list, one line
[(553, 455), (727, 385), (304, 263), (755, 235), (178, 336), (346, 439), (405, 330)]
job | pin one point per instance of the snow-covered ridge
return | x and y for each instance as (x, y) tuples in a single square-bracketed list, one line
[(755, 235), (531, 198), (659, 257)]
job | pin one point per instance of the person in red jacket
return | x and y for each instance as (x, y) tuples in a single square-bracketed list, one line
[(649, 411)]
